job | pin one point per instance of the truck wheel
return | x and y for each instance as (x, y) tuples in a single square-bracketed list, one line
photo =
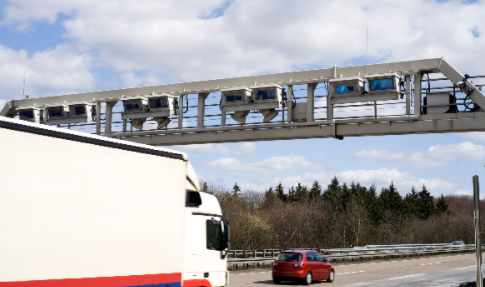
[(276, 280), (308, 279), (331, 276)]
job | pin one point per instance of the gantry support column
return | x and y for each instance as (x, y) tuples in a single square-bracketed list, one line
[(289, 104), (98, 117), (408, 94), (223, 118), (329, 107), (109, 117), (417, 94), (201, 110), (181, 112), (310, 101)]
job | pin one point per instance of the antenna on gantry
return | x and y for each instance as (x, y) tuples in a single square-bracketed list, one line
[(367, 53), (23, 90)]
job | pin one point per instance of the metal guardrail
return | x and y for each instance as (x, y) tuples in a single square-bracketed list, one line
[(391, 247), (368, 252)]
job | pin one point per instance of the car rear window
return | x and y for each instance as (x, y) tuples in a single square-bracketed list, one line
[(290, 257)]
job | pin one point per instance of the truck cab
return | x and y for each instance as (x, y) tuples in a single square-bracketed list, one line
[(207, 235)]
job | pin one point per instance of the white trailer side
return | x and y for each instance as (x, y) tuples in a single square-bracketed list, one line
[(79, 207)]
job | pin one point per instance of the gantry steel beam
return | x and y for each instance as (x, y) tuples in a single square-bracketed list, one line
[(415, 123), (200, 87)]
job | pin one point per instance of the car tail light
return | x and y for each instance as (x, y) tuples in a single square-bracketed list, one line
[(275, 263), (299, 265)]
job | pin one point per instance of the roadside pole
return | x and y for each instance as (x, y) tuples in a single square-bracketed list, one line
[(478, 243)]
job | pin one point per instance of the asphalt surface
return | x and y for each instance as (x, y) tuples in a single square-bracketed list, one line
[(431, 271)]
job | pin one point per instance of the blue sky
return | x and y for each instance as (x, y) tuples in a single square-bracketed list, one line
[(67, 46)]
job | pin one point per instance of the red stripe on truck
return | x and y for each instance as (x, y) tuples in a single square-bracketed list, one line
[(115, 281), (197, 283)]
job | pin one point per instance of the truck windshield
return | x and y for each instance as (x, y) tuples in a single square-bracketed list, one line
[(290, 257)]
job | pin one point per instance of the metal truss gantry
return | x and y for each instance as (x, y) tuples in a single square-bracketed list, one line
[(412, 122)]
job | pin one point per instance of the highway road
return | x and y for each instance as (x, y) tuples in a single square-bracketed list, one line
[(430, 271)]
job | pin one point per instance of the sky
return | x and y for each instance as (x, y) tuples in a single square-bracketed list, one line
[(63, 47)]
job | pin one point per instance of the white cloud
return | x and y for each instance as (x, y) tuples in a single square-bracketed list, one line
[(467, 192), (132, 80), (463, 151), (185, 40), (23, 13), (247, 148), (267, 166), (434, 156), (203, 148), (464, 192), (474, 136), (260, 184), (380, 154), (47, 72), (207, 178)]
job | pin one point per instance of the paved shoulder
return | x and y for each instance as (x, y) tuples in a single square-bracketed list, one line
[(431, 279)]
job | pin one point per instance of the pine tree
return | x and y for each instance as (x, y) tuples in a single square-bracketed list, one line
[(372, 206), (442, 206), (425, 204), (345, 196), (301, 193), (357, 192), (315, 191), (236, 190), (332, 193), (391, 199), (291, 194), (411, 202), (333, 186), (280, 192), (270, 192)]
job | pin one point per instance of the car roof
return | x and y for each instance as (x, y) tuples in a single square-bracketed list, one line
[(297, 251)]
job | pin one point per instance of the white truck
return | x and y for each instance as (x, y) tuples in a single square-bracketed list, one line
[(84, 210)]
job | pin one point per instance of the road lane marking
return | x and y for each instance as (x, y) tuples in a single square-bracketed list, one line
[(348, 273), (425, 258)]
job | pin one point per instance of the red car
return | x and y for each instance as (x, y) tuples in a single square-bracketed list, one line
[(307, 266)]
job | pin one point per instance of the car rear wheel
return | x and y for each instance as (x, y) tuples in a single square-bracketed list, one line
[(331, 276), (276, 280), (308, 278)]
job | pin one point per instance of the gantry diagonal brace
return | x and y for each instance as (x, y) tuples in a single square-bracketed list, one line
[(459, 80)]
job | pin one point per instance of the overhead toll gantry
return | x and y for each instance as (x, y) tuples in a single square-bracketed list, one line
[(447, 102)]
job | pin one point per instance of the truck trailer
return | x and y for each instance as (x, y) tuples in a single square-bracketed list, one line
[(84, 210)]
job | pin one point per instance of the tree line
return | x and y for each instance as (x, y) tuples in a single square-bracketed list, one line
[(341, 216)]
